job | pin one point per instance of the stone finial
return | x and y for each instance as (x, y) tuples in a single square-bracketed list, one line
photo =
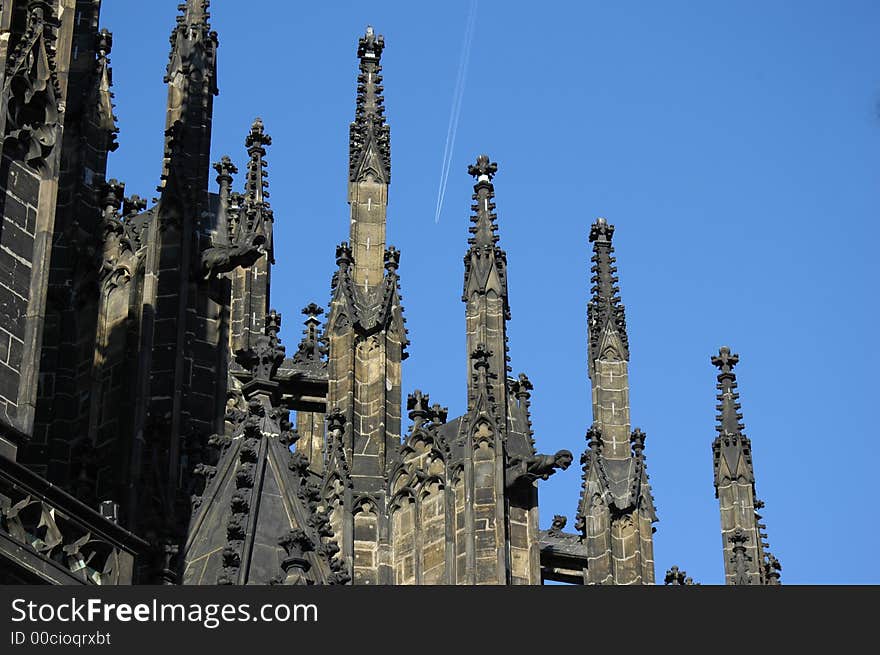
[(296, 543), (112, 194), (483, 170), (336, 421), (264, 357), (225, 169), (257, 135), (439, 414), (676, 577), (417, 403), (637, 439), (594, 438), (370, 45), (273, 325), (310, 350), (392, 259), (343, 254), (104, 42), (523, 387), (772, 570), (601, 231), (312, 311), (133, 205), (725, 360)]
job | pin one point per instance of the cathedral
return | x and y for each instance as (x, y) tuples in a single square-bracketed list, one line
[(155, 428)]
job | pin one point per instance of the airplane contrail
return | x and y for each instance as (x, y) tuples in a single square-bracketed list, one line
[(455, 112)]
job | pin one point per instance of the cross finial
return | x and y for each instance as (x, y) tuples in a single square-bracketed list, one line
[(725, 360), (312, 310), (225, 168)]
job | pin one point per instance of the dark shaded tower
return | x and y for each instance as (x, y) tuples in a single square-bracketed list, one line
[(57, 127), (747, 559), (616, 510), (169, 409)]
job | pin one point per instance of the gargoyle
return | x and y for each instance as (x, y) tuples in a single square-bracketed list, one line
[(558, 524), (537, 467), (223, 259)]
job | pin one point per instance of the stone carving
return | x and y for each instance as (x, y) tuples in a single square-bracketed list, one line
[(677, 577), (31, 92), (223, 259), (537, 467), (312, 349), (267, 354), (558, 524), (740, 557), (296, 543)]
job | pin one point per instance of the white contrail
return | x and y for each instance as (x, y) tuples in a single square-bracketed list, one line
[(455, 112)]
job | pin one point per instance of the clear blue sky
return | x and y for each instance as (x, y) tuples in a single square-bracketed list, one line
[(733, 145)]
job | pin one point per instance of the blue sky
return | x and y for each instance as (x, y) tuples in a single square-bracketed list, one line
[(733, 145)]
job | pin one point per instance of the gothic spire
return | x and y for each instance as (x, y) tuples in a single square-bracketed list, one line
[(484, 227), (257, 185), (225, 170), (485, 262), (605, 313), (193, 44), (104, 75), (191, 76), (731, 445), (747, 556), (729, 417), (257, 213), (311, 347), (369, 135)]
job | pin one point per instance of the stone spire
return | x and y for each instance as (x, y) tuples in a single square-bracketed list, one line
[(225, 170), (484, 228), (251, 230), (311, 351), (369, 136), (745, 559), (369, 168), (605, 313), (366, 336), (616, 510), (485, 275), (257, 213), (484, 428), (191, 76)]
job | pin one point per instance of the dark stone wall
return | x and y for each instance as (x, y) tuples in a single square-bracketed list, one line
[(19, 197)]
